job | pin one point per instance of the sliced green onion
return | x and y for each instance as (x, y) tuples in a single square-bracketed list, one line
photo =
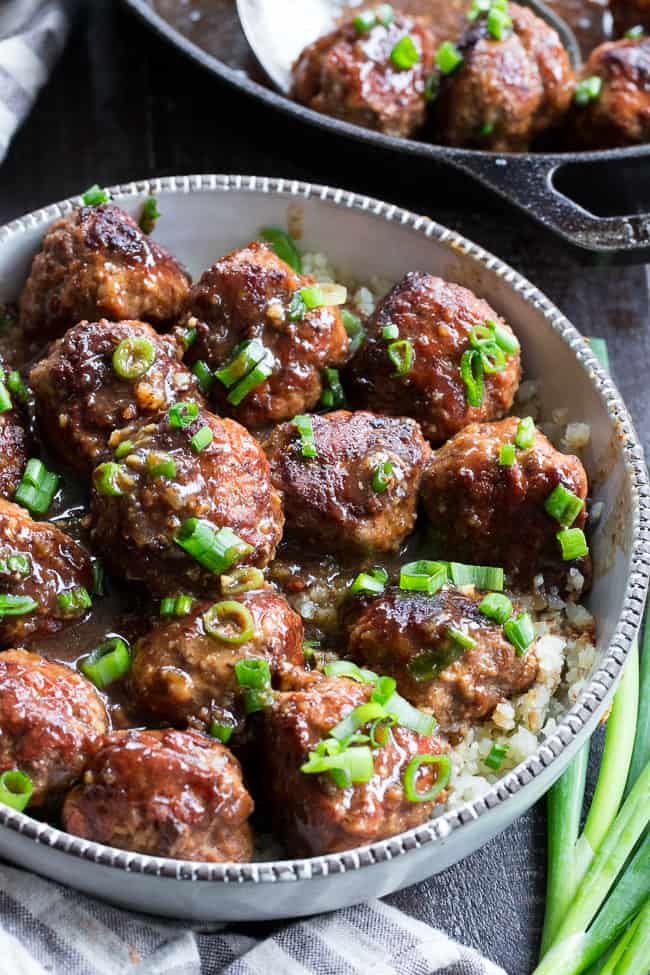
[(204, 375), (496, 607), (177, 605), (256, 700), (477, 8), (361, 715), (306, 299), (255, 378), (495, 757), (16, 605), (588, 90), (401, 354), (355, 330), (304, 426), (503, 337), (214, 549), (254, 672), (408, 716), (161, 465), (563, 505), (381, 477), (134, 357), (506, 455), (107, 478), (94, 196), (37, 488), (486, 129), (99, 577), (123, 450), (525, 435), (369, 583), (443, 774), (19, 565), (223, 732), (423, 576), (201, 439), (382, 16), (520, 632), (110, 662), (498, 23), (188, 337), (17, 387), (246, 357), (448, 57), (150, 214), (479, 576), (405, 54), (471, 372), (15, 789), (283, 246), (573, 544), (389, 332), (74, 602), (354, 763), (333, 395), (379, 731), (181, 415), (5, 398), (384, 688), (463, 639), (242, 580), (431, 88), (427, 666), (230, 622), (345, 668)]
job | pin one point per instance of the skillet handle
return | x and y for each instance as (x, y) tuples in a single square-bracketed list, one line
[(527, 181)]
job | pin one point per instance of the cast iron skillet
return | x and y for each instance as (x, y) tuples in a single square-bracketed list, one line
[(528, 180)]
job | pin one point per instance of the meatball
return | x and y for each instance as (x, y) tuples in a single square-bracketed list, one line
[(96, 263), (619, 113), (50, 718), (630, 13), (39, 564), (15, 441), (246, 296), (360, 490), (356, 75), (81, 398), (210, 478), (407, 636), (166, 793), (182, 671), (437, 320), (490, 514), (506, 91), (309, 811)]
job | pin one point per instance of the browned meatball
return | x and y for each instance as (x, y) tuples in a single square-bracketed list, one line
[(490, 514), (96, 263), (436, 318), (619, 115), (354, 75), (182, 671), (139, 505), (506, 91), (246, 296), (166, 793), (15, 441), (406, 635), (360, 490), (50, 717), (39, 564), (81, 398), (630, 13), (310, 812)]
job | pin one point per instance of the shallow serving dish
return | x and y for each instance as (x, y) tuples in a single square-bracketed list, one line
[(203, 217)]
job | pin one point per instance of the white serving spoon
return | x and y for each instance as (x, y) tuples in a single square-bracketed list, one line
[(278, 30)]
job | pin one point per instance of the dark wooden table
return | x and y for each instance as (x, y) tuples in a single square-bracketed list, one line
[(123, 105)]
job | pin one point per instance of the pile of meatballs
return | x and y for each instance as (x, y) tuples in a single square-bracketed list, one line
[(505, 84), (127, 376)]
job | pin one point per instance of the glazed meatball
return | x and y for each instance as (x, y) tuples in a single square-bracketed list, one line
[(407, 636), (50, 718), (490, 514), (246, 296), (437, 319), (356, 76), (15, 441), (166, 793), (309, 811), (183, 672), (360, 490), (506, 91), (96, 263), (84, 389), (630, 13), (619, 114), (169, 480), (38, 565)]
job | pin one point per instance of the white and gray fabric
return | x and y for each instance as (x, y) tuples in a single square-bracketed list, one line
[(32, 35)]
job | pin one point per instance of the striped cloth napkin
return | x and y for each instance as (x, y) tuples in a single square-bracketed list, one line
[(32, 35)]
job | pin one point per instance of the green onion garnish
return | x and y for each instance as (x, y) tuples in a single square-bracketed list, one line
[(494, 759), (5, 398), (499, 23), (19, 565), (345, 668), (161, 465), (37, 488), (408, 716), (246, 357), (188, 337), (379, 731), (94, 196), (573, 544), (496, 607), (401, 354), (15, 789), (431, 88), (201, 439), (405, 54), (17, 387), (255, 378), (563, 505), (204, 375), (242, 580), (479, 576), (463, 639), (357, 718), (333, 395), (16, 605), (253, 672), (355, 330), (109, 479), (520, 631), (222, 732), (369, 583), (181, 415), (588, 90), (430, 664), (215, 549), (443, 774), (230, 622), (382, 16), (283, 246), (304, 426), (108, 663), (389, 332), (506, 455), (477, 8), (123, 450), (176, 605), (99, 577), (471, 372), (486, 129), (150, 214), (448, 57), (354, 764), (381, 477), (305, 299), (423, 576), (74, 602), (525, 435), (384, 688), (133, 357)]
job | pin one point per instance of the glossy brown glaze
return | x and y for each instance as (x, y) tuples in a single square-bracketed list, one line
[(96, 263), (15, 442), (330, 499), (165, 793), (630, 13), (227, 483), (311, 814), (390, 633), (487, 514), (620, 116), (351, 75), (183, 674), (245, 296), (81, 399), (436, 317), (50, 718), (56, 564)]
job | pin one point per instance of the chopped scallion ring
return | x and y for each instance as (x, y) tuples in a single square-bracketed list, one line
[(520, 632), (495, 757), (361, 715), (255, 378), (471, 372), (11, 605), (188, 337), (525, 435), (382, 16), (463, 639), (94, 196), (37, 488), (19, 565), (74, 602), (123, 449), (283, 246), (431, 88), (215, 549), (246, 357), (389, 332), (496, 607), (333, 395), (408, 716), (133, 357), (369, 583), (401, 354), (253, 672), (181, 415), (379, 731), (161, 465), (506, 455), (222, 732), (355, 330), (423, 576), (304, 426), (442, 765), (177, 605), (573, 544), (477, 8), (381, 477), (204, 375), (99, 577), (479, 576), (15, 789), (588, 90), (499, 23), (229, 621), (405, 54), (242, 580), (109, 479), (201, 439), (110, 662), (5, 398), (149, 216), (257, 700), (17, 387), (563, 505), (354, 764), (448, 57), (346, 668)]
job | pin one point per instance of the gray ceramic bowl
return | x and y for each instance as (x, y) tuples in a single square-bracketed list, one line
[(202, 217)]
